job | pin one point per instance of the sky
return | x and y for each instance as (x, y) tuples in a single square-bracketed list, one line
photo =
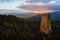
[(10, 4), (14, 4)]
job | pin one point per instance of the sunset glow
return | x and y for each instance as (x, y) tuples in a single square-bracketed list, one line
[(43, 11)]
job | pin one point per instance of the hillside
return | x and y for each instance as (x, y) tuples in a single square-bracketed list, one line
[(13, 28)]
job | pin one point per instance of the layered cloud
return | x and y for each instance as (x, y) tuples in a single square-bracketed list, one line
[(37, 8), (51, 2), (44, 1), (9, 0), (40, 6), (34, 1)]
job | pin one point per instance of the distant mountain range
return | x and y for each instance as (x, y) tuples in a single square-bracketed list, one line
[(17, 13), (53, 16), (25, 14)]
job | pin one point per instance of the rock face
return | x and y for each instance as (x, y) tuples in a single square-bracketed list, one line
[(45, 26)]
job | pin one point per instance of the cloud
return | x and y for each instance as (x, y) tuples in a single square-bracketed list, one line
[(52, 2), (7, 0), (48, 2), (33, 6), (43, 11), (33, 1), (39, 6), (36, 8), (55, 2)]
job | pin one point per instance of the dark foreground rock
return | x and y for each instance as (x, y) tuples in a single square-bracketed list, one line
[(13, 28)]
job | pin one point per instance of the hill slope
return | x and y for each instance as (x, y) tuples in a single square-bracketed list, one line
[(12, 27)]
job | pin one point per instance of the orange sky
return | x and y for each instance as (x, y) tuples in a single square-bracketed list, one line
[(43, 11)]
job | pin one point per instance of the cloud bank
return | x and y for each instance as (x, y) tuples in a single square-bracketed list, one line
[(40, 6), (34, 1), (7, 0), (33, 6), (37, 8), (43, 1)]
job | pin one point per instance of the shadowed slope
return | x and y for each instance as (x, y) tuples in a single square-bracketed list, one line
[(13, 28)]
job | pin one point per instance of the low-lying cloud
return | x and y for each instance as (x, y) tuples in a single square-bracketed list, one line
[(37, 8)]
